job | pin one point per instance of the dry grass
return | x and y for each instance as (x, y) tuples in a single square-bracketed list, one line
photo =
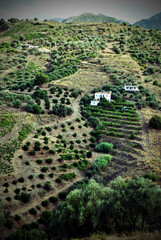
[(84, 79), (152, 142), (92, 75), (137, 236)]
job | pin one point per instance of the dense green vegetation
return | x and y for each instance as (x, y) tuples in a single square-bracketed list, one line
[(104, 147), (123, 206)]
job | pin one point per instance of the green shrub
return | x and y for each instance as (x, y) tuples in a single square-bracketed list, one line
[(25, 197), (44, 169), (132, 135), (33, 211), (49, 160), (58, 180), (25, 148), (46, 147), (93, 139), (21, 179), (51, 175), (68, 176), (47, 186), (52, 151), (14, 182), (38, 207), (62, 195), (53, 199), (17, 197), (155, 122), (8, 199), (61, 110), (45, 203), (89, 154), (46, 140), (103, 160), (32, 153), (104, 147), (39, 161), (31, 177), (48, 129), (151, 176), (71, 147), (36, 109), (53, 168), (78, 120), (43, 133), (55, 100), (6, 184), (41, 78), (37, 146), (41, 176), (38, 185)]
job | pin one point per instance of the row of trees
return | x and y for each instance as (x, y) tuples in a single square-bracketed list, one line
[(124, 206)]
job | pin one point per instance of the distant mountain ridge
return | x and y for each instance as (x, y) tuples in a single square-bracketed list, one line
[(152, 22), (56, 20), (90, 17)]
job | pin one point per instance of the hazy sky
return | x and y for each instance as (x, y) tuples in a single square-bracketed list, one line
[(128, 10)]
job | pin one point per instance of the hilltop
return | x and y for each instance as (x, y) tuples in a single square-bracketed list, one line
[(56, 20), (90, 17), (52, 138), (152, 22)]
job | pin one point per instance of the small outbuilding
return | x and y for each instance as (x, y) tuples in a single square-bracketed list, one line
[(131, 88), (94, 102)]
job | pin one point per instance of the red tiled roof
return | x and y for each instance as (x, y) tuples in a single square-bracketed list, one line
[(103, 93)]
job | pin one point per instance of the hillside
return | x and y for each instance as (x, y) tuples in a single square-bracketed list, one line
[(89, 17), (51, 135), (153, 22), (56, 20)]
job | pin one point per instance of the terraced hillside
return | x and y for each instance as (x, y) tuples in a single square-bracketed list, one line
[(122, 126), (49, 132)]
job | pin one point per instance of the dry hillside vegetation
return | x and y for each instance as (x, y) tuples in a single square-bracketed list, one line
[(48, 129)]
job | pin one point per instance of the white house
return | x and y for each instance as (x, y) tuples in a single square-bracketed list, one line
[(103, 94), (100, 95), (131, 88)]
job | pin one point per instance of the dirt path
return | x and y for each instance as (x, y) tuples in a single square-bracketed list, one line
[(76, 114)]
